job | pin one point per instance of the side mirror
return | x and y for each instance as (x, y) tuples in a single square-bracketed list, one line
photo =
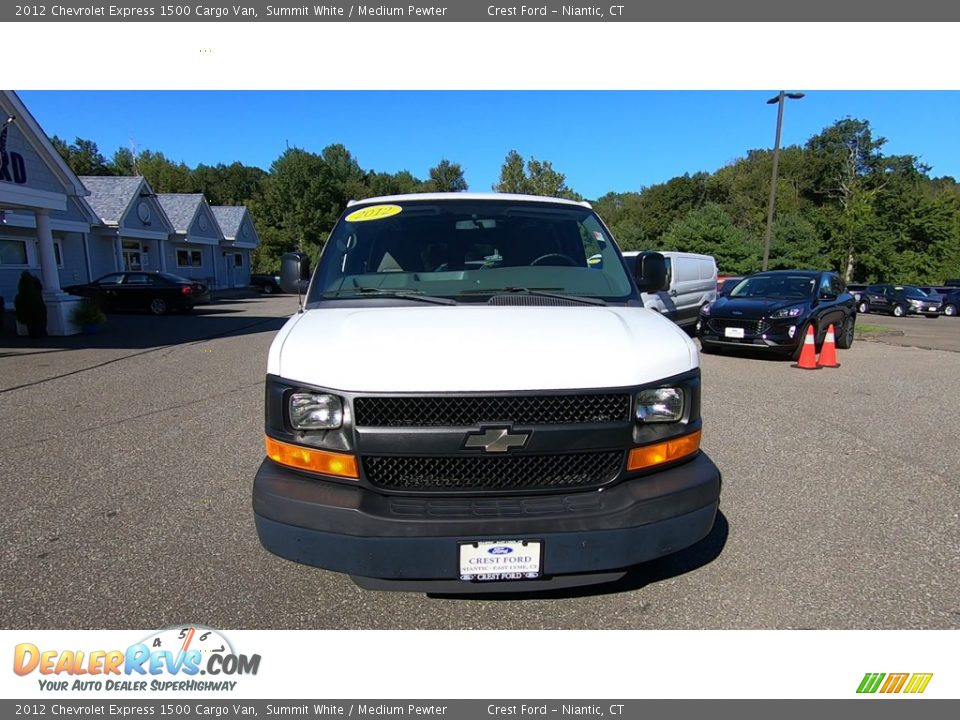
[(650, 272), (294, 272)]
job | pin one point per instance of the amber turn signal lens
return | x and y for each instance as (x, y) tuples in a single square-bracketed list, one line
[(674, 449), (318, 461)]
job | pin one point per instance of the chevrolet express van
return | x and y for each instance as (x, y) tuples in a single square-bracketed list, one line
[(465, 403), (691, 284)]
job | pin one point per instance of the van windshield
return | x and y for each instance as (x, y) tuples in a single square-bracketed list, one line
[(469, 250)]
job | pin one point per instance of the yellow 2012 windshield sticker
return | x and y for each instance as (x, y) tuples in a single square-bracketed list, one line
[(374, 212)]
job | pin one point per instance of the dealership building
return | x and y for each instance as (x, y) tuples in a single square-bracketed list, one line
[(68, 230)]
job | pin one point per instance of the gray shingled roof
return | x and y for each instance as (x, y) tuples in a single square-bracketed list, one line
[(181, 208), (110, 196), (229, 218)]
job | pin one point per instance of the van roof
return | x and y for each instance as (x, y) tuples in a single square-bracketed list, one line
[(446, 196), (672, 253)]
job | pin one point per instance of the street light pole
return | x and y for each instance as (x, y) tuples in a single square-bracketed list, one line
[(779, 100)]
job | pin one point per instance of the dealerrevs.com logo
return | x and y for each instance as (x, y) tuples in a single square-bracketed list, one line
[(174, 658), (892, 683)]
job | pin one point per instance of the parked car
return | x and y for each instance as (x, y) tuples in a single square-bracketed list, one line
[(951, 303), (268, 284), (898, 300), (691, 284), (771, 311), (727, 284), (158, 292), (856, 290), (934, 293)]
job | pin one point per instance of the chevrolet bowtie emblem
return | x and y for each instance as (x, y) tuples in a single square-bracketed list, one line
[(497, 440)]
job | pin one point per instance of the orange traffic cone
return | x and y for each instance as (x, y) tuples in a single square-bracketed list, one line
[(828, 353), (808, 356)]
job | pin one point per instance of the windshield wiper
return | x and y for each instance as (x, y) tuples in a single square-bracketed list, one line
[(382, 292), (538, 292)]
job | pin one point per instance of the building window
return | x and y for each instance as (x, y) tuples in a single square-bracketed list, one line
[(13, 252), (238, 260), (57, 253), (189, 258)]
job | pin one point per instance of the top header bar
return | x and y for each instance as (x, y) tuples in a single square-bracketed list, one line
[(484, 11)]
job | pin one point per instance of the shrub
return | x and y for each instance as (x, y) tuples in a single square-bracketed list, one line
[(28, 304), (88, 313)]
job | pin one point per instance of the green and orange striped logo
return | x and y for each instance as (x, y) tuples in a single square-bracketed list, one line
[(894, 683)]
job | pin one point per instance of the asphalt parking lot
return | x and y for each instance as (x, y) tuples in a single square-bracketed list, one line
[(941, 333), (127, 462)]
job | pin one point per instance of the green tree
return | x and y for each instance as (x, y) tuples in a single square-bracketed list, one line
[(710, 230), (537, 178), (795, 244), (446, 176), (399, 183), (165, 176), (83, 156), (122, 163), (233, 184), (513, 177)]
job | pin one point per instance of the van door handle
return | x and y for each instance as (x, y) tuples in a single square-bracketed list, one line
[(673, 292)]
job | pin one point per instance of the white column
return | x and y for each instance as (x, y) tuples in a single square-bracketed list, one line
[(48, 259), (118, 251), (59, 305)]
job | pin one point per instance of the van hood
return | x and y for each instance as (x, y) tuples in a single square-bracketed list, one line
[(479, 348)]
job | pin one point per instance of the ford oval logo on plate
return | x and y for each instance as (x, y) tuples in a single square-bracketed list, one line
[(500, 550)]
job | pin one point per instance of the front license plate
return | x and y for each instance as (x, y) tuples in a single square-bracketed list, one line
[(933, 308), (733, 332), (498, 560)]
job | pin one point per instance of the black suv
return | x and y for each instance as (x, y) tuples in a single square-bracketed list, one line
[(772, 310), (268, 284), (898, 300), (950, 303)]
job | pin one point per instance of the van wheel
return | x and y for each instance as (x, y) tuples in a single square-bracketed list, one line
[(863, 308), (898, 311), (950, 310), (268, 289)]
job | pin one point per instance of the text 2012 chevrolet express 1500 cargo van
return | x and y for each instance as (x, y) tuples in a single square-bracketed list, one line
[(467, 404)]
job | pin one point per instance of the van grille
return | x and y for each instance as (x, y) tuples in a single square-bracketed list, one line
[(468, 411), (518, 472)]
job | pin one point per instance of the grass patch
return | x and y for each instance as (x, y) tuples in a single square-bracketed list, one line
[(868, 330)]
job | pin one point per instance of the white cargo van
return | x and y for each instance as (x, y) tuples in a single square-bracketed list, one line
[(691, 284), (470, 400)]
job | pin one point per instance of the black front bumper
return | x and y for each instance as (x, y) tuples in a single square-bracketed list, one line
[(775, 338), (416, 538)]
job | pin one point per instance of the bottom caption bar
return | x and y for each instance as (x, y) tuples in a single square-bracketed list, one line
[(875, 709)]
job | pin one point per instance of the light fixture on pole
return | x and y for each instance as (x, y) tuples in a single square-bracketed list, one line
[(779, 100)]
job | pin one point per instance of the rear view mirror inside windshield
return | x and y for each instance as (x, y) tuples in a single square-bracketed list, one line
[(475, 224)]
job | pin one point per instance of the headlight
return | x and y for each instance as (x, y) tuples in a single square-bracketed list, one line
[(786, 313), (917, 303), (705, 310), (315, 411), (660, 405)]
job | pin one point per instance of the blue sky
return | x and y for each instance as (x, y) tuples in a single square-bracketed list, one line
[(602, 141)]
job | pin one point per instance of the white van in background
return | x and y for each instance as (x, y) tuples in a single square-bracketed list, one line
[(692, 283)]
